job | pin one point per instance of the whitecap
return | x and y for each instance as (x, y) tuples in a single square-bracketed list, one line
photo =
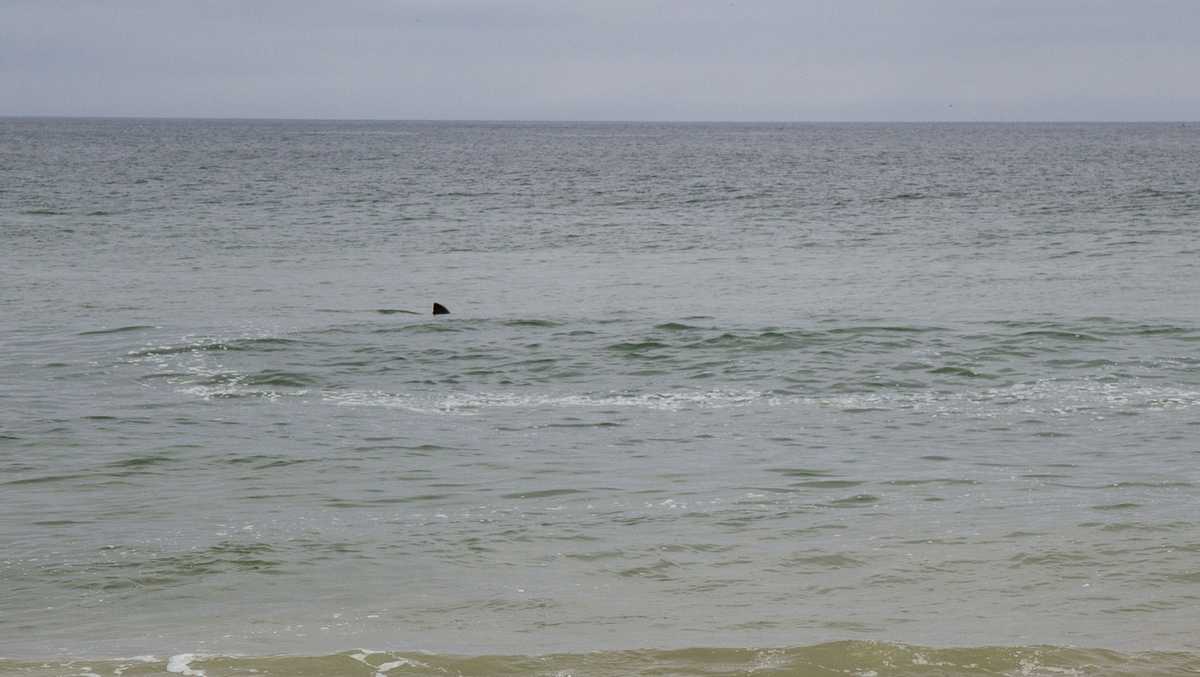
[(181, 664)]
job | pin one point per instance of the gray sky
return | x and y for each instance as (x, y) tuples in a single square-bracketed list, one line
[(604, 60)]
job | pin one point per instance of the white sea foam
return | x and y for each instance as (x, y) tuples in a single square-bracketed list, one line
[(1033, 668), (195, 366), (181, 663), (468, 403), (120, 669), (382, 669), (1048, 398), (234, 390)]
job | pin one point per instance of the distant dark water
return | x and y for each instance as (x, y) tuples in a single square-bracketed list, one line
[(703, 386)]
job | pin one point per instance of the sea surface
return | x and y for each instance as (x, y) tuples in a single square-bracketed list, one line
[(712, 399)]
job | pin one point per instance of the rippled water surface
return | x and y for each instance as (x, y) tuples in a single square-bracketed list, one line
[(887, 397)]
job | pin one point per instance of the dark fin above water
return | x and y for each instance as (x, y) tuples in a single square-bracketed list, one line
[(439, 309)]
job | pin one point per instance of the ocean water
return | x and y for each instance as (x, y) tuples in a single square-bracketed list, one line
[(712, 399)]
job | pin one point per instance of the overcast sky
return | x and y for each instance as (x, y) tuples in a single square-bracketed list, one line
[(604, 59)]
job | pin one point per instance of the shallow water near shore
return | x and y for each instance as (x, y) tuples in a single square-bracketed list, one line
[(824, 660), (885, 399)]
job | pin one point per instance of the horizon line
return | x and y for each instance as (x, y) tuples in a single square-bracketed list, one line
[(233, 118)]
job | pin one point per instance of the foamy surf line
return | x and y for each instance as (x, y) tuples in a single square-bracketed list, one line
[(862, 658), (1055, 398), (465, 404), (182, 664)]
